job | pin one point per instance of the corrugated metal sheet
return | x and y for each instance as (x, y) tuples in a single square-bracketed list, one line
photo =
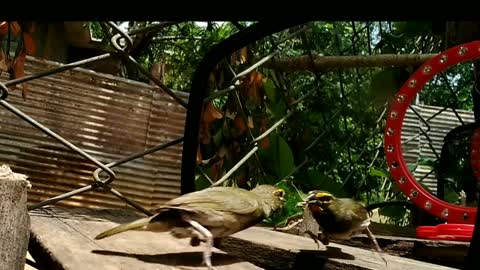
[(416, 145), (106, 116)]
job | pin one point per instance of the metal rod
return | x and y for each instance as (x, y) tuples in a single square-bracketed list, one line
[(294, 170), (234, 168), (271, 55), (219, 93), (152, 27), (137, 155), (47, 131), (165, 88), (120, 34), (319, 136), (204, 174), (283, 119), (259, 63), (245, 119), (295, 102), (131, 202), (60, 197), (85, 189), (57, 70), (301, 30), (268, 131)]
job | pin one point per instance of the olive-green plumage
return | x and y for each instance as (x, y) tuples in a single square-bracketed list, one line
[(209, 214), (339, 218)]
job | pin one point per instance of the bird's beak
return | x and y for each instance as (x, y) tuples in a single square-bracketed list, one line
[(311, 199)]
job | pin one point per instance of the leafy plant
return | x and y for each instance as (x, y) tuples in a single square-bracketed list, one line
[(17, 42), (334, 138)]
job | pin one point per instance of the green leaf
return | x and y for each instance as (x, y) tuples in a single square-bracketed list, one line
[(393, 212), (269, 180), (379, 173), (450, 195), (271, 91), (275, 103), (410, 29), (278, 157), (315, 179), (278, 109), (386, 83), (412, 167), (201, 182), (425, 161)]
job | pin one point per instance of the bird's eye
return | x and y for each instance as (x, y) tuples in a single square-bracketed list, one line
[(279, 192)]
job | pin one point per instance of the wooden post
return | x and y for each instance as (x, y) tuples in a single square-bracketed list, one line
[(14, 219)]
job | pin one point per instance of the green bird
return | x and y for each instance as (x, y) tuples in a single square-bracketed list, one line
[(339, 218), (209, 214)]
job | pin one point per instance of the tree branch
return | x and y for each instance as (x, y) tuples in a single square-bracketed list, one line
[(325, 63)]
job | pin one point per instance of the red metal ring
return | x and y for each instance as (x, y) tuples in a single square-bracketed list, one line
[(393, 149)]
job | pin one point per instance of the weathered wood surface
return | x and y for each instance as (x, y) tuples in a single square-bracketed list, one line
[(14, 219), (399, 241), (64, 238), (280, 250), (449, 253)]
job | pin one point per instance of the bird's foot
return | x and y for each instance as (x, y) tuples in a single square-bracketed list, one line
[(207, 235), (289, 226), (314, 238), (375, 243), (323, 238)]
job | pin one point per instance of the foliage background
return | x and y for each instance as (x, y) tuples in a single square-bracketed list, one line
[(334, 139)]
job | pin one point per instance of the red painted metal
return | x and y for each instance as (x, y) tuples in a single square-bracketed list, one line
[(393, 149), (452, 232)]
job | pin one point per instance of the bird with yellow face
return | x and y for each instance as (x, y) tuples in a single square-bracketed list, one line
[(209, 214), (339, 218)]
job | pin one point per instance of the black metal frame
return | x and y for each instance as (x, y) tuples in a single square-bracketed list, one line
[(199, 89), (198, 95)]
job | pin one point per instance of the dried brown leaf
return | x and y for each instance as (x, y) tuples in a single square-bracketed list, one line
[(29, 44), (239, 124), (209, 115), (3, 61)]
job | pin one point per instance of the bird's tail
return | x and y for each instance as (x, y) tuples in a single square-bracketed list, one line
[(124, 227)]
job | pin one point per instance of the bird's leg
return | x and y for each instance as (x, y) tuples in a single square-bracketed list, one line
[(375, 243), (207, 254), (288, 227), (314, 237), (323, 238)]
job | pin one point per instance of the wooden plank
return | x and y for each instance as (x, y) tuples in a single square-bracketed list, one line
[(448, 253), (278, 250), (62, 238)]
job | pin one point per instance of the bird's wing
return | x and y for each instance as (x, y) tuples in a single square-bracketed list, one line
[(221, 210), (225, 199), (358, 213)]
